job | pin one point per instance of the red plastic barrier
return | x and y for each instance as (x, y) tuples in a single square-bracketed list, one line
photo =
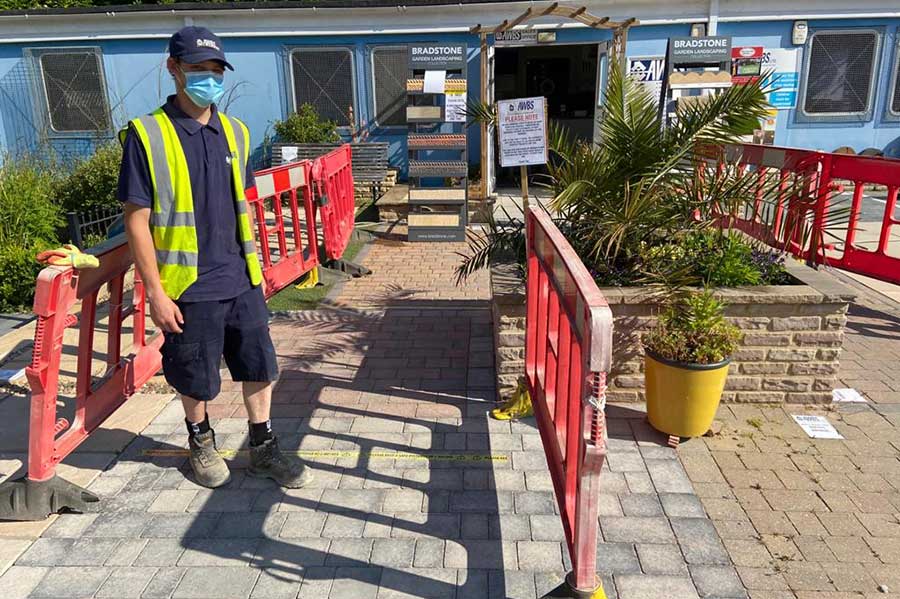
[(332, 177), (861, 170), (568, 351), (284, 253), (58, 291), (807, 184)]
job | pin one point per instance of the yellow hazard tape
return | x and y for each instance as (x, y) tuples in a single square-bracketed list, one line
[(327, 453)]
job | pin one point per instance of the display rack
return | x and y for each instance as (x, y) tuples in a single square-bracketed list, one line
[(696, 68), (436, 147)]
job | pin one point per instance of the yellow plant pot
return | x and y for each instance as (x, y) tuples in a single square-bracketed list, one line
[(682, 398)]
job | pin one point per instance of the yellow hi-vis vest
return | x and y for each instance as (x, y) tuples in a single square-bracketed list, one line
[(172, 214)]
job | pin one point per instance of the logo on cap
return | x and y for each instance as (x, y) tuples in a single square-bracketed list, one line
[(207, 44)]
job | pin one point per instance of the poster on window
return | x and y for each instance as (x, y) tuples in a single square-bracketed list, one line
[(784, 64), (648, 71)]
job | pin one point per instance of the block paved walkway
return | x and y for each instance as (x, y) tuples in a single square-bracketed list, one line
[(811, 518), (417, 493)]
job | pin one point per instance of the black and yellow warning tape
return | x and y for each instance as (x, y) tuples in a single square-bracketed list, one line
[(343, 454)]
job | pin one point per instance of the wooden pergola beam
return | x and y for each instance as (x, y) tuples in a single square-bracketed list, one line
[(579, 14), (549, 9), (522, 17)]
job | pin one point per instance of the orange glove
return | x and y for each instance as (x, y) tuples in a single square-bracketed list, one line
[(68, 255)]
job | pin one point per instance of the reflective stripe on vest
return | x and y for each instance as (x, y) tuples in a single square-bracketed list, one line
[(238, 137), (172, 215)]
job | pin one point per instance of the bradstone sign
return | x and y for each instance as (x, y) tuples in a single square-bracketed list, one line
[(430, 57), (685, 51)]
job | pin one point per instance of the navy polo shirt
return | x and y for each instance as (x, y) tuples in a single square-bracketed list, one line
[(222, 269)]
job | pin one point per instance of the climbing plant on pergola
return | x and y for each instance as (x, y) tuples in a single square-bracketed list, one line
[(616, 50)]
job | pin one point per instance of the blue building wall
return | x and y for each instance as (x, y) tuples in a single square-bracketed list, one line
[(138, 82)]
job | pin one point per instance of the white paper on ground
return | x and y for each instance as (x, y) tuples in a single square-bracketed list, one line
[(816, 427), (434, 82), (288, 153), (11, 376), (847, 396)]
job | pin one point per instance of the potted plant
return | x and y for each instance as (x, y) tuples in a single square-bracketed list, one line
[(686, 362)]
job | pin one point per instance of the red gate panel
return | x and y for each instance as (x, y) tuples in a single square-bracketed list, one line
[(568, 351), (58, 291), (332, 177), (286, 251), (808, 182)]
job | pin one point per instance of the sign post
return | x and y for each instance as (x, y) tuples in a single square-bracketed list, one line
[(522, 126)]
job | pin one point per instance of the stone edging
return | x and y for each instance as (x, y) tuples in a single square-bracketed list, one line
[(790, 353)]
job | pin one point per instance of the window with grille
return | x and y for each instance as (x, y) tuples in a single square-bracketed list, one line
[(74, 90), (840, 72), (389, 81), (323, 77), (895, 94)]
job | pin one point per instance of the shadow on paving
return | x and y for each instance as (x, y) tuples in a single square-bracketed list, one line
[(355, 385), (871, 322)]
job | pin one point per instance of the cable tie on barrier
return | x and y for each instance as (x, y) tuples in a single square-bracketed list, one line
[(597, 397)]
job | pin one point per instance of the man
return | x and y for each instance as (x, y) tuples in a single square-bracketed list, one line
[(182, 180)]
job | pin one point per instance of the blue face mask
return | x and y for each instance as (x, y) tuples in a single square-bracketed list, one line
[(204, 87)]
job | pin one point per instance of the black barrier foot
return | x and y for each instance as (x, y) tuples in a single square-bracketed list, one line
[(347, 267), (566, 590), (27, 500)]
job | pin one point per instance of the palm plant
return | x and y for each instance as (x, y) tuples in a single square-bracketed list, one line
[(640, 186), (645, 183)]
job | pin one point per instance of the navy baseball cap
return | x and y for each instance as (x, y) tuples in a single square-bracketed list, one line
[(196, 44)]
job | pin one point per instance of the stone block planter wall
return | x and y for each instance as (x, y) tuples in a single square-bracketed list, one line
[(790, 351), (508, 307)]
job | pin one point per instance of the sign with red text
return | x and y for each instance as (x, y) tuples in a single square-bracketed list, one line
[(746, 64), (522, 124)]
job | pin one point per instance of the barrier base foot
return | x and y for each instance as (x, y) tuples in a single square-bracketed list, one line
[(27, 500), (345, 266), (566, 590)]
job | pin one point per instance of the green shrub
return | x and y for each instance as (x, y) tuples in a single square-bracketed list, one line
[(29, 221), (715, 258), (306, 127), (92, 182), (693, 330), (28, 214), (18, 272)]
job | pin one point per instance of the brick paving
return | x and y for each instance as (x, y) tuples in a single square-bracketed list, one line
[(810, 518), (417, 493)]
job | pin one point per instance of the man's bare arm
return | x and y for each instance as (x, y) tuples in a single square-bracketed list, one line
[(163, 310)]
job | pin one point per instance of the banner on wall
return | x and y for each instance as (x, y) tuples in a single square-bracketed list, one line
[(748, 63), (785, 66)]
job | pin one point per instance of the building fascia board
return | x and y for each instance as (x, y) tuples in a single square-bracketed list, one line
[(293, 21)]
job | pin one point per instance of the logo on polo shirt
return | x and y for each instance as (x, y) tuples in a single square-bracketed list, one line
[(207, 44)]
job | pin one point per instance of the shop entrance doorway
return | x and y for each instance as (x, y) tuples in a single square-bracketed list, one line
[(565, 74)]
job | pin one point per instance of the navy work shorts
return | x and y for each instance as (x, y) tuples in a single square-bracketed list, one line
[(236, 328)]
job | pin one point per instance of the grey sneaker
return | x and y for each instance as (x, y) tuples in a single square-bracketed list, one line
[(267, 461), (210, 469)]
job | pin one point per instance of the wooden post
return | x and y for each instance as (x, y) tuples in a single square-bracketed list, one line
[(484, 126), (523, 173)]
